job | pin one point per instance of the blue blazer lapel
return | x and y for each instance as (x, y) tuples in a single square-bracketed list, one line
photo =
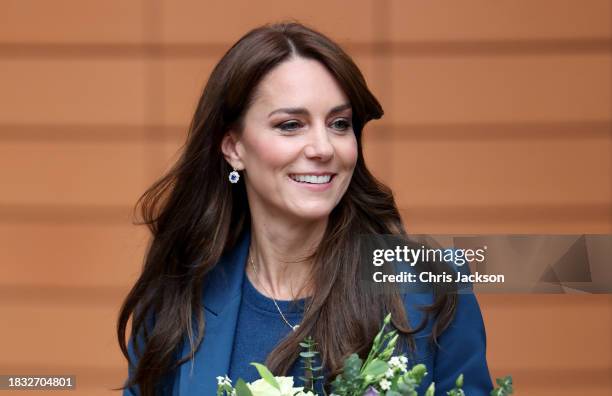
[(221, 300)]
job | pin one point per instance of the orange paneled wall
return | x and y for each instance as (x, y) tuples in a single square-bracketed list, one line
[(498, 119)]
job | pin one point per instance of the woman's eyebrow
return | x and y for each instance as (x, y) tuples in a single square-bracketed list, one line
[(303, 111), (340, 108)]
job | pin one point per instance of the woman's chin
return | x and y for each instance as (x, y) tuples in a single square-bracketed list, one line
[(312, 213)]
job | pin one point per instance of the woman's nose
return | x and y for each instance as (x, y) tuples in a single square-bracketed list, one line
[(319, 145)]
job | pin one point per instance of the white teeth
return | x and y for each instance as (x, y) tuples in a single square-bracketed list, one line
[(311, 179)]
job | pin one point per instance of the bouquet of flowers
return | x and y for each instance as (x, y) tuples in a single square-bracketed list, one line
[(381, 374)]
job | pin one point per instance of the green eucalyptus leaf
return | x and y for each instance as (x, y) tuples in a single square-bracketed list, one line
[(352, 365), (242, 389), (505, 387), (266, 375), (375, 368)]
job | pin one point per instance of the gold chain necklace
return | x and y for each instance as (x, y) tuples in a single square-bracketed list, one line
[(293, 327)]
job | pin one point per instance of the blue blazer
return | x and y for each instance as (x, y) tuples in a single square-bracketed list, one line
[(462, 346)]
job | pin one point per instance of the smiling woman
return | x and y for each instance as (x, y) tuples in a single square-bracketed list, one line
[(243, 270), (299, 158)]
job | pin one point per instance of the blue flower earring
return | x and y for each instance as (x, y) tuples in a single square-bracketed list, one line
[(234, 176)]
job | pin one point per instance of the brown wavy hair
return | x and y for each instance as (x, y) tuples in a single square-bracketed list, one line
[(195, 216)]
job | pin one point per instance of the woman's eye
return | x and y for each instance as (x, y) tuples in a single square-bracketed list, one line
[(341, 124), (289, 126)]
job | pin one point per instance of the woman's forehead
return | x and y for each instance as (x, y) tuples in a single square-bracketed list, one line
[(299, 83)]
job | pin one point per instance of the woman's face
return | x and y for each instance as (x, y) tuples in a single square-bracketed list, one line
[(297, 149)]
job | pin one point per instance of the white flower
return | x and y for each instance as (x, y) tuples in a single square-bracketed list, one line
[(262, 388), (389, 373), (399, 362), (384, 384), (224, 380)]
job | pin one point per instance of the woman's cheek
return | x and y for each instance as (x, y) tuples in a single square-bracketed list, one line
[(269, 152), (281, 151), (349, 153)]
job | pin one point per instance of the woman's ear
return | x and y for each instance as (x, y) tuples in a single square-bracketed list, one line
[(230, 146)]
